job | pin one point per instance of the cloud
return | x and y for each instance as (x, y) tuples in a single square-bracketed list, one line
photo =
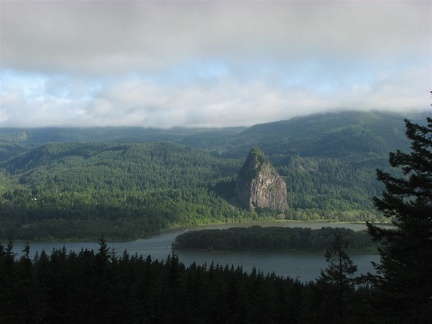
[(163, 64)]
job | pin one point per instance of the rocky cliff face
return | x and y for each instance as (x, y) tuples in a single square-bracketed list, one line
[(259, 185)]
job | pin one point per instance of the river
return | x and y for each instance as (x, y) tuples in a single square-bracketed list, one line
[(302, 265)]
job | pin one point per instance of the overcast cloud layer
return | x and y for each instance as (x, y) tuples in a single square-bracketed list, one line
[(226, 63)]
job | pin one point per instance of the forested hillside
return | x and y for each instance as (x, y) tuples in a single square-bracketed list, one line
[(126, 191), (17, 140), (343, 134), (122, 183)]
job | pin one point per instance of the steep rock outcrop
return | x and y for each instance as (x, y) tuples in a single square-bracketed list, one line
[(259, 185)]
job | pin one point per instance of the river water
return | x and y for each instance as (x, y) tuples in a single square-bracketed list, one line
[(304, 266)]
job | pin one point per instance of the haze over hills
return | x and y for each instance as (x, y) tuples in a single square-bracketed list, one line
[(331, 129), (130, 182), (15, 140)]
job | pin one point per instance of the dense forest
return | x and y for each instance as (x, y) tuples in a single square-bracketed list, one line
[(257, 238), (128, 183), (104, 287), (124, 191)]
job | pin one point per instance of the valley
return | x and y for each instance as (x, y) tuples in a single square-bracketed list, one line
[(130, 183)]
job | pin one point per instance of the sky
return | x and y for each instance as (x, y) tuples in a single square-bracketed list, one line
[(209, 63)]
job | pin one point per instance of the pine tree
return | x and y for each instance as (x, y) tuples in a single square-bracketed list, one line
[(404, 272), (337, 281)]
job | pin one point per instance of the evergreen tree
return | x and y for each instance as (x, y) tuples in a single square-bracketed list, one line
[(8, 284), (336, 282), (30, 300), (102, 285), (404, 272)]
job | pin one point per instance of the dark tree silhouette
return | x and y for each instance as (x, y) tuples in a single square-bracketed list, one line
[(404, 272), (337, 280)]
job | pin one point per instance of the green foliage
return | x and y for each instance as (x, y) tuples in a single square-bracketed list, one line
[(334, 187), (105, 166), (129, 185), (127, 191), (271, 238), (406, 255), (118, 216), (338, 135), (254, 162)]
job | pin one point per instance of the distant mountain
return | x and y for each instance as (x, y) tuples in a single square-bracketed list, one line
[(341, 134), (18, 140), (129, 182), (327, 134)]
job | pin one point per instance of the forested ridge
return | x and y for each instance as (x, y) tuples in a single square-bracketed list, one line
[(105, 286), (124, 191), (124, 184)]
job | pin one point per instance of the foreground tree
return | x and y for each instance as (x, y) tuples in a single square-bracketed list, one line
[(337, 281), (404, 273)]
